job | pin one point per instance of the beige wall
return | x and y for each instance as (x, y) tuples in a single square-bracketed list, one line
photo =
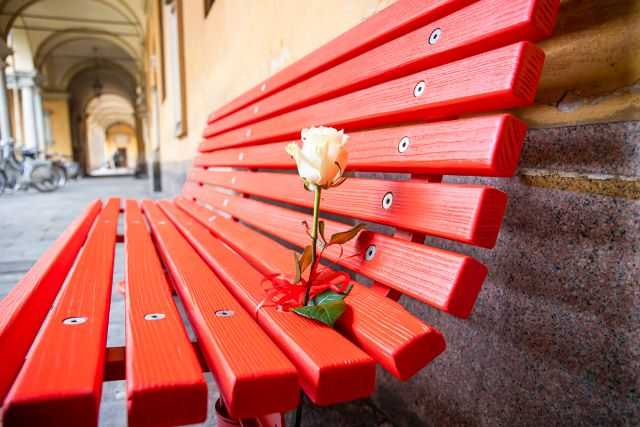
[(590, 75), (59, 110), (240, 44)]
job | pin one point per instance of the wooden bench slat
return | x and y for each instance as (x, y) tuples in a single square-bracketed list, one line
[(467, 213), (395, 338), (338, 375), (479, 27), (401, 17), (165, 385), (249, 368), (481, 146), (443, 279), (25, 307), (61, 381), (502, 78)]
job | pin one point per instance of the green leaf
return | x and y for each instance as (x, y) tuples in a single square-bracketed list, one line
[(296, 259), (331, 296), (305, 259), (327, 313), (344, 236)]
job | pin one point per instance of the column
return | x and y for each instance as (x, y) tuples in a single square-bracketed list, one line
[(141, 167), (27, 84), (39, 111), (6, 134)]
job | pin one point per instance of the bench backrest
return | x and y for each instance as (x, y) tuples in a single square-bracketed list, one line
[(409, 86)]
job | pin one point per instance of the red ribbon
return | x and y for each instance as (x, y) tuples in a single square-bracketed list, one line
[(285, 294)]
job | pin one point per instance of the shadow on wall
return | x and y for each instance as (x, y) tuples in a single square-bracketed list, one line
[(555, 333)]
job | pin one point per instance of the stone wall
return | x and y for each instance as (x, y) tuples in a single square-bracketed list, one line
[(555, 335)]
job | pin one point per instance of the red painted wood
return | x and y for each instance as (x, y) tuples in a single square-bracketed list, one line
[(246, 364), (397, 340), (443, 279), (467, 213), (340, 375), (61, 381), (477, 28), (165, 385), (401, 17), (24, 308), (502, 78), (481, 146)]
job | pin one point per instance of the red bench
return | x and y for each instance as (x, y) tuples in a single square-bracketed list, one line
[(417, 87)]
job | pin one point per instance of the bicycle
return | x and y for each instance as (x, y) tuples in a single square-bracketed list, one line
[(43, 175)]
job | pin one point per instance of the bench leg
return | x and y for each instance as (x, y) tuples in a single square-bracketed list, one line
[(269, 420)]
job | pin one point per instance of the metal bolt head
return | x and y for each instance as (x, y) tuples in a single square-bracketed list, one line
[(435, 36), (225, 313), (418, 90), (387, 200), (404, 144), (75, 320), (256, 109), (154, 316), (370, 252), (248, 133), (263, 87), (241, 156)]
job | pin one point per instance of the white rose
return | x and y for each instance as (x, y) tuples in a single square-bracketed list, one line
[(323, 157)]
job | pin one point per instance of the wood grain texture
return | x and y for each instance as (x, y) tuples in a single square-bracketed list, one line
[(332, 369), (401, 17), (246, 364), (502, 78), (165, 385), (446, 280), (25, 307), (60, 383), (479, 27), (467, 213), (482, 146), (396, 339)]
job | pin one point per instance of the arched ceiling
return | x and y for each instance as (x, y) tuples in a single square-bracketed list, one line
[(66, 35), (83, 93), (109, 110)]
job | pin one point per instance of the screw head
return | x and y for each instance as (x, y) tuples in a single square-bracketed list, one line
[(387, 200), (256, 109), (435, 36), (75, 320), (418, 90), (404, 144), (241, 156), (248, 133), (154, 316), (225, 313), (370, 252), (263, 87)]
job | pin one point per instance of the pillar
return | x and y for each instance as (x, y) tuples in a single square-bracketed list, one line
[(6, 134), (26, 83), (141, 167), (39, 112)]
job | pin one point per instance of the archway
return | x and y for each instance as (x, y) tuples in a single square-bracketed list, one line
[(91, 59), (112, 147)]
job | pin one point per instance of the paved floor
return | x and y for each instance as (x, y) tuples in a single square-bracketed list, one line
[(30, 222)]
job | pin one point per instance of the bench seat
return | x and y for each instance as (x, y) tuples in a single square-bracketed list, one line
[(421, 88)]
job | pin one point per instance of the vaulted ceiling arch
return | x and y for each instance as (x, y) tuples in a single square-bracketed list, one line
[(10, 10)]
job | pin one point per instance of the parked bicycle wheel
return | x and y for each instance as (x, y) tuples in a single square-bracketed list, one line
[(44, 179), (61, 175)]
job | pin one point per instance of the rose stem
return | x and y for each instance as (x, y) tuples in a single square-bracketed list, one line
[(314, 240)]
